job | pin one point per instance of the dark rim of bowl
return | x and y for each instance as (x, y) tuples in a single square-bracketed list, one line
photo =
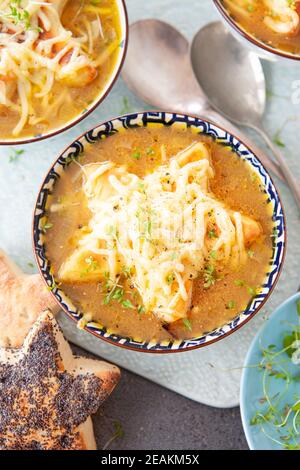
[(166, 351), (115, 75), (252, 39)]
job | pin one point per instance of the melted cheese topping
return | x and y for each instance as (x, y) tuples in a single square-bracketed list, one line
[(36, 51), (281, 16), (165, 229)]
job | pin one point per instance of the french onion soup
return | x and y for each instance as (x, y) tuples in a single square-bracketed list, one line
[(56, 58), (274, 22), (158, 233)]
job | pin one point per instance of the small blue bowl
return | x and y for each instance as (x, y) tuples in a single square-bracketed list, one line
[(251, 384), (168, 120)]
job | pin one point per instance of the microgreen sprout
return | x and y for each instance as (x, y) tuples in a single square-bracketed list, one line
[(91, 266), (278, 419), (115, 292), (118, 434), (19, 16), (46, 226), (15, 154), (210, 276), (187, 324)]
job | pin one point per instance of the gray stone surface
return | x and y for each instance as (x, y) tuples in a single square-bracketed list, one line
[(155, 418)]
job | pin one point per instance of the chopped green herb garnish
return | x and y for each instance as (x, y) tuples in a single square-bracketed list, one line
[(239, 283), (54, 286), (231, 304), (209, 276), (15, 154), (298, 307), (170, 278), (127, 303), (187, 324), (115, 291), (150, 151), (126, 107), (127, 271), (252, 291), (118, 434), (46, 226), (212, 233), (277, 138), (136, 155), (19, 16), (141, 309), (92, 266)]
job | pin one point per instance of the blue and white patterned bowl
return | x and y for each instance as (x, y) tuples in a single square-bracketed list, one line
[(166, 119)]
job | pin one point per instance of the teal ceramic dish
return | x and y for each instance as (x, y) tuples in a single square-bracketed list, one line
[(282, 383)]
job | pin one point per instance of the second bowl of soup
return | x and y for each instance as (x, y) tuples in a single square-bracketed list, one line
[(59, 59), (270, 27), (159, 232)]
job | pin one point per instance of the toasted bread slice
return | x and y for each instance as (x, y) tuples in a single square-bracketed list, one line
[(48, 394), (22, 299)]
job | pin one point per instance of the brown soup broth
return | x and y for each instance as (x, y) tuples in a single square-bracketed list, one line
[(252, 21), (234, 183)]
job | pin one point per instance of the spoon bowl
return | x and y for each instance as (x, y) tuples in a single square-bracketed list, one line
[(233, 80), (240, 93), (158, 68)]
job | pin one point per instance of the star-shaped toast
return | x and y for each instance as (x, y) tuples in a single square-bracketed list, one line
[(47, 395), (22, 299)]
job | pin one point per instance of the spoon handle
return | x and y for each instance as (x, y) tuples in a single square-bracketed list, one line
[(287, 173), (264, 158)]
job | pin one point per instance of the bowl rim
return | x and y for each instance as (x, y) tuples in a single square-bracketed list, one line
[(102, 96), (248, 36), (168, 350)]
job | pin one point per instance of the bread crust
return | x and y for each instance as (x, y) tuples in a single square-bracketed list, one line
[(22, 299), (47, 395)]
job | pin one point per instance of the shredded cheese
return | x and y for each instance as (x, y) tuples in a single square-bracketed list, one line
[(280, 16), (163, 227), (36, 51)]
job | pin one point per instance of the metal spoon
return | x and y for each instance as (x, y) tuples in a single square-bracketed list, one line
[(233, 80), (158, 70)]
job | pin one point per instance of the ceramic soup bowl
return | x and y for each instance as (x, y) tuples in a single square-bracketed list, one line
[(145, 119)]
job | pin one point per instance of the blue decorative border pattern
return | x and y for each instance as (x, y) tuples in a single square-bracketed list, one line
[(167, 119)]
